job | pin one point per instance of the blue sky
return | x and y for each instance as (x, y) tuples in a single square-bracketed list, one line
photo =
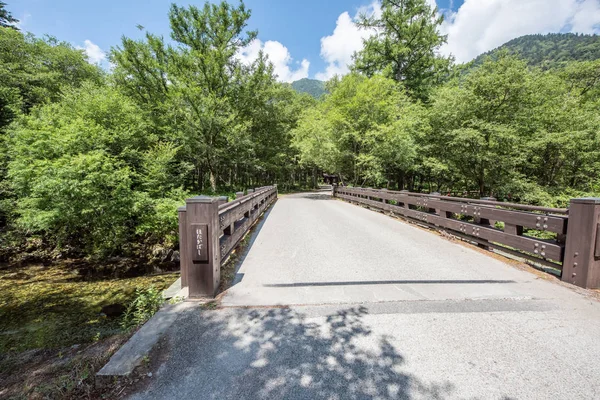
[(313, 38)]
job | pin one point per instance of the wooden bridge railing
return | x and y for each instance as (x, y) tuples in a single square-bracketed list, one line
[(571, 242), (209, 229)]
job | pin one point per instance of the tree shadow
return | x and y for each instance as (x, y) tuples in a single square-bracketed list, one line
[(314, 195), (280, 353), (254, 232)]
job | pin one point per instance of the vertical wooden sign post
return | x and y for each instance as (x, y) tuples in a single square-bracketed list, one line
[(581, 265), (202, 252)]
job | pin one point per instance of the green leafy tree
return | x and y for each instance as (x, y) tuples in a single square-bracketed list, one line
[(480, 123), (80, 171), (363, 130), (230, 120), (404, 45), (197, 80), (33, 72), (6, 18), (37, 70)]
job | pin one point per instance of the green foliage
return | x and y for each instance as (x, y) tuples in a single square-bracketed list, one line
[(36, 71), (517, 132), (95, 163), (405, 45), (503, 129), (64, 309), (365, 127), (6, 18), (550, 50), (97, 167), (476, 122), (88, 174), (146, 303), (230, 122), (33, 72), (82, 200), (158, 222), (313, 87)]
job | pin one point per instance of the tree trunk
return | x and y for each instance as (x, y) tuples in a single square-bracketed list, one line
[(213, 180)]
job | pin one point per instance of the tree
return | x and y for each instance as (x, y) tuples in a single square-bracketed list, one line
[(194, 83), (6, 18), (404, 46), (363, 130), (230, 119), (34, 72), (480, 123), (37, 70), (87, 174)]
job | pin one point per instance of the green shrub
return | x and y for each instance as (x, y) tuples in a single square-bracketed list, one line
[(145, 304), (89, 176)]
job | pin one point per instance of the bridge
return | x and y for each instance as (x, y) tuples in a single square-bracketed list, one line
[(334, 300)]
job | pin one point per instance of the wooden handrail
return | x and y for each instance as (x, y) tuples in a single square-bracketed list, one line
[(210, 229)]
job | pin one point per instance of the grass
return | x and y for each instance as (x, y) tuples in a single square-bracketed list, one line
[(53, 306), (53, 338)]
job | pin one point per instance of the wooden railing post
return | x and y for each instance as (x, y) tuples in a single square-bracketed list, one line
[(249, 212), (203, 264), (581, 265)]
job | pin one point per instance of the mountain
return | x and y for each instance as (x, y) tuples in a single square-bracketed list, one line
[(313, 87), (551, 50)]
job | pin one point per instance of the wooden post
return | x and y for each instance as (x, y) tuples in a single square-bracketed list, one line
[(239, 194), (433, 210), (183, 247), (249, 212), (203, 250), (581, 265), (256, 202), (483, 221)]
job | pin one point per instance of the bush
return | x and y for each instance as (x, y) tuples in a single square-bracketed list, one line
[(145, 304), (84, 201), (88, 176)]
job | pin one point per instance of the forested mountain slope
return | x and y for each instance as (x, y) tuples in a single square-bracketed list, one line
[(313, 87), (551, 50)]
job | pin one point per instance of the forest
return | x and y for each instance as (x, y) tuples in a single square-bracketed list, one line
[(95, 162)]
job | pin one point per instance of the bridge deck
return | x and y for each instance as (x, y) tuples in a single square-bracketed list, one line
[(380, 310), (313, 249)]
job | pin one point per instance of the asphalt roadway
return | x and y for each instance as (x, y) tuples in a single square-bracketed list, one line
[(334, 301)]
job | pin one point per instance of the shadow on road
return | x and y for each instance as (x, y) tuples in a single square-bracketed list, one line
[(389, 282), (325, 195), (254, 231), (281, 354)]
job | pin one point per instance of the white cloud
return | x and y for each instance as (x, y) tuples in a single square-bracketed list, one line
[(23, 21), (346, 39), (279, 56), (95, 54), (476, 27), (482, 25)]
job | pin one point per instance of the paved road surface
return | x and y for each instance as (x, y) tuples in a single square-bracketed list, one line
[(379, 309)]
